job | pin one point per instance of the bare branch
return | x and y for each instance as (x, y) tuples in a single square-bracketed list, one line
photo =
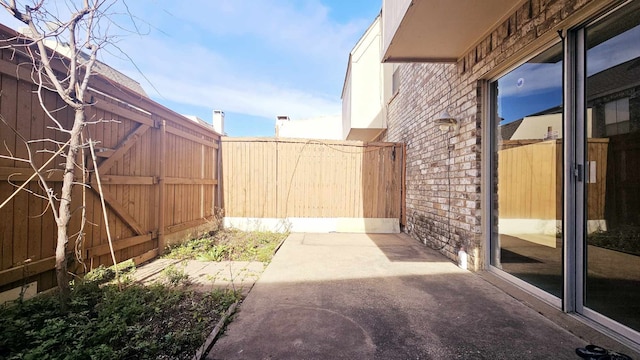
[(46, 208), (27, 190), (37, 172), (63, 56), (14, 158)]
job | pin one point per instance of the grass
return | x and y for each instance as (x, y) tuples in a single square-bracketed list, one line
[(229, 245)]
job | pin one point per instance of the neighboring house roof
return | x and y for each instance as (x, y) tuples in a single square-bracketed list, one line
[(538, 126), (197, 120), (507, 130), (607, 82), (119, 78), (99, 67), (615, 79)]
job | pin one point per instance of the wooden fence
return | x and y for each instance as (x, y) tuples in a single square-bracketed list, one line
[(159, 171), (623, 177), (280, 178), (530, 179)]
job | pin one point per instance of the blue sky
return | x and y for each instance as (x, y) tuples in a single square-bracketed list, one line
[(534, 87), (253, 59)]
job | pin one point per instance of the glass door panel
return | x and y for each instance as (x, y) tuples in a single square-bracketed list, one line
[(612, 209), (527, 168)]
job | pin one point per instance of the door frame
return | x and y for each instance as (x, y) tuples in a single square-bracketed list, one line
[(574, 185)]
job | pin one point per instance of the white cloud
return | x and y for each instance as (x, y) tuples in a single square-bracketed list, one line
[(294, 26), (259, 57), (198, 76), (304, 49), (615, 51), (531, 78), (251, 98)]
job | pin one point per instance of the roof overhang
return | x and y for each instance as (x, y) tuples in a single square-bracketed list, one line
[(364, 134), (438, 30)]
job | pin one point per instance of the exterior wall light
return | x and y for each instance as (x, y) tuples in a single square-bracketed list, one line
[(446, 121)]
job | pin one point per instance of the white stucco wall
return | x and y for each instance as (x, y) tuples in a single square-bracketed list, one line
[(367, 80), (535, 127), (363, 98), (323, 127), (346, 105)]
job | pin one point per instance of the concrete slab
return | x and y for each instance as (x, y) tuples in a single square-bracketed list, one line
[(205, 275), (359, 296)]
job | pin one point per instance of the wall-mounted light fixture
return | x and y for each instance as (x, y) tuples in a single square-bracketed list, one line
[(446, 121)]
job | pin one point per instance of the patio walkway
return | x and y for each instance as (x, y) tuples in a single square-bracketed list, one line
[(204, 275), (356, 296)]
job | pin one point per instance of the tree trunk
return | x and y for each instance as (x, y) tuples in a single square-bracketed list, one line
[(64, 213)]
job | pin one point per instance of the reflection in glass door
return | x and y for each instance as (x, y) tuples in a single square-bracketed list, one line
[(612, 209), (526, 239)]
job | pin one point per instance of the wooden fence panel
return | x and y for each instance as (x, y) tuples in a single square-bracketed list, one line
[(279, 178), (137, 177), (623, 176), (530, 180)]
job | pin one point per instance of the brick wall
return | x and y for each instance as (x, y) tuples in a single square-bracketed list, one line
[(443, 168)]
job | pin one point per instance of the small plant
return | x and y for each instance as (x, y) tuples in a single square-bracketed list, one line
[(215, 253), (103, 274), (176, 276)]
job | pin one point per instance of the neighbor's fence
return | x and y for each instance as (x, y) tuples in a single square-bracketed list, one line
[(159, 172), (280, 178), (530, 179)]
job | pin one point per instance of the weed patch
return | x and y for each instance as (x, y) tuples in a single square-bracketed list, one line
[(229, 245), (154, 322), (176, 276)]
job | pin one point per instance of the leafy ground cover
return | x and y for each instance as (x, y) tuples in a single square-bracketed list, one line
[(165, 320), (230, 245), (625, 239), (103, 322)]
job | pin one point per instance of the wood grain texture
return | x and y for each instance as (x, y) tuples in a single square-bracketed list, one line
[(278, 178), (127, 128)]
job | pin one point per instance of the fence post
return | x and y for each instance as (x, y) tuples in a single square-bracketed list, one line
[(161, 187), (219, 186)]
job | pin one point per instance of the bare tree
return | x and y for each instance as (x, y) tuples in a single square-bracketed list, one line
[(84, 35)]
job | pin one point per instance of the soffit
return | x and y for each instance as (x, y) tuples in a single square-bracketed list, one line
[(444, 30)]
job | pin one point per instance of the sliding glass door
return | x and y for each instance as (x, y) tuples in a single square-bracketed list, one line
[(565, 171), (528, 125), (612, 184)]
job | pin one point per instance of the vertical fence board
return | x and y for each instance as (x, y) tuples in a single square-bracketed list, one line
[(269, 178), (29, 230), (530, 180)]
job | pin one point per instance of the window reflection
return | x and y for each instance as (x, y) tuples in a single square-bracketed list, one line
[(613, 155), (526, 240)]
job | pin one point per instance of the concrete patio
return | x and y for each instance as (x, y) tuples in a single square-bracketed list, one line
[(357, 296)]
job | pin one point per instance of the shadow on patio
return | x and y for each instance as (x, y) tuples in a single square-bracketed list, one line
[(356, 296)]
